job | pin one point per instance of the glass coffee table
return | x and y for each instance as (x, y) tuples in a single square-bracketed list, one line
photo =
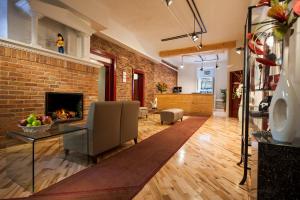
[(22, 164)]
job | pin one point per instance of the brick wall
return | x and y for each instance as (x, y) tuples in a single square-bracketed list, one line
[(127, 61), (26, 76)]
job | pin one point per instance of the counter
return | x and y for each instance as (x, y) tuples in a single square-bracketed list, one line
[(192, 104), (275, 169)]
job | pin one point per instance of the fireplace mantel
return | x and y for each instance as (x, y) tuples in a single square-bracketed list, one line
[(45, 52)]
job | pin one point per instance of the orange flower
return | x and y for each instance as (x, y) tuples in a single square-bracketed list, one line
[(296, 8), (278, 12)]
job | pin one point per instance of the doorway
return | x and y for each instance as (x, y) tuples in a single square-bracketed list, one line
[(107, 74), (138, 84), (236, 79)]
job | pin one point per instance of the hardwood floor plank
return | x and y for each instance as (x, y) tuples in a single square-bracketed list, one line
[(204, 168)]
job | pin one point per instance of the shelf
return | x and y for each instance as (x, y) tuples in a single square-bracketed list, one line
[(263, 90), (258, 114)]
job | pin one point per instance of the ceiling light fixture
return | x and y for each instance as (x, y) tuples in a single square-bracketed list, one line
[(194, 35), (199, 46), (239, 50), (169, 2), (181, 66)]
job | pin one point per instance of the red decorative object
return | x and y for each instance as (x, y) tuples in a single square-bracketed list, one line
[(263, 3), (255, 49), (273, 81), (296, 8), (279, 13), (266, 62), (254, 38)]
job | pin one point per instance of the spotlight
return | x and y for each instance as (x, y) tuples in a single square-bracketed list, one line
[(169, 2), (181, 66), (239, 50), (200, 46), (195, 37)]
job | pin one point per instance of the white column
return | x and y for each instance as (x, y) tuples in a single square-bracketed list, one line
[(34, 28), (86, 46), (78, 46)]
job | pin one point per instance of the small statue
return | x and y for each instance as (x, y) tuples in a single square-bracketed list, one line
[(154, 103), (60, 43)]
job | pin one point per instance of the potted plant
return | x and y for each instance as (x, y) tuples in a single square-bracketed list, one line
[(161, 87)]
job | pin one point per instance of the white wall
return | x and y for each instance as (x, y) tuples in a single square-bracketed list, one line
[(101, 84), (187, 77), (3, 19), (220, 79), (19, 24), (16, 25), (48, 30)]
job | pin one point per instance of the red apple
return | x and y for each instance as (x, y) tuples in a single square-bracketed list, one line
[(23, 122), (46, 120)]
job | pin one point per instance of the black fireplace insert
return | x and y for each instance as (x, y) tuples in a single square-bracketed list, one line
[(64, 107)]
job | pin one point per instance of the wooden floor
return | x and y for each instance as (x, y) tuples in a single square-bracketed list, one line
[(204, 168)]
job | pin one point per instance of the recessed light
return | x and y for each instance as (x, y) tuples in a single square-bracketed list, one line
[(195, 37), (239, 50), (169, 2), (181, 66)]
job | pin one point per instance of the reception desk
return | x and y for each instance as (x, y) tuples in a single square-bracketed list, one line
[(192, 104)]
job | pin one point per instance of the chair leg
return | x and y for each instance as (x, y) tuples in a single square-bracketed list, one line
[(67, 151), (161, 122), (181, 118), (135, 140), (94, 159)]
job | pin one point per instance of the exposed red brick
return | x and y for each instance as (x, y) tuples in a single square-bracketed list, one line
[(127, 61), (25, 78)]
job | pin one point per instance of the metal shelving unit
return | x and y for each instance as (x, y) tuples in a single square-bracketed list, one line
[(248, 90)]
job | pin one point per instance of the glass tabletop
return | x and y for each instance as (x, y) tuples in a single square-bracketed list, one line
[(55, 130)]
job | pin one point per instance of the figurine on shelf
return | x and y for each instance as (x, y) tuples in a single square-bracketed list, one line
[(60, 43), (272, 57), (265, 104)]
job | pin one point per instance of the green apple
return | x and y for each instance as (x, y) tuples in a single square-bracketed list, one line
[(36, 123), (29, 125), (31, 119)]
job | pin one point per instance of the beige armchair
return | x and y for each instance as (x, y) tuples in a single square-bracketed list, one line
[(109, 124), (129, 121)]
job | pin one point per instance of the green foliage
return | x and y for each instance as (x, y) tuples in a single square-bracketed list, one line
[(161, 87)]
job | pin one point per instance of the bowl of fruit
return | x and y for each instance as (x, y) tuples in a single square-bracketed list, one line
[(34, 123)]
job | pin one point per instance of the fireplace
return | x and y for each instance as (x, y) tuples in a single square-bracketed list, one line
[(64, 107)]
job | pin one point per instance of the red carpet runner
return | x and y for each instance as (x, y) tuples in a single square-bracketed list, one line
[(122, 176)]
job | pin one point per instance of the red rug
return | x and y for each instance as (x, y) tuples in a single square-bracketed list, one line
[(122, 176)]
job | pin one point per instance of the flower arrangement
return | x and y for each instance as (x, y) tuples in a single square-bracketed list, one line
[(238, 92), (161, 87), (284, 16)]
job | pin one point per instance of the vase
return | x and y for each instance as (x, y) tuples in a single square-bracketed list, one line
[(284, 108)]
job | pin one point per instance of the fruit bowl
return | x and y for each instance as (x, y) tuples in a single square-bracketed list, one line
[(34, 129)]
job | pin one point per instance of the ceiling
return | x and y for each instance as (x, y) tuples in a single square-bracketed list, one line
[(141, 24), (199, 59)]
